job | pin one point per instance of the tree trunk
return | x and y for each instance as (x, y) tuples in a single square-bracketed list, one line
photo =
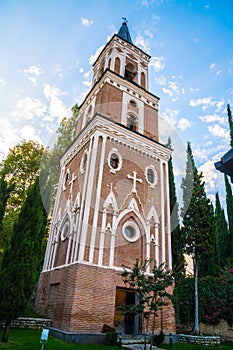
[(6, 331), (196, 322)]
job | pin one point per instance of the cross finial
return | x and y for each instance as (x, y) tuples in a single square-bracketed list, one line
[(135, 179), (125, 19)]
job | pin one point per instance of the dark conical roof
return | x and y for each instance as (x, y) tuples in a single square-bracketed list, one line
[(124, 32)]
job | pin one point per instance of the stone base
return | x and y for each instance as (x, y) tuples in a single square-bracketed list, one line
[(199, 339)]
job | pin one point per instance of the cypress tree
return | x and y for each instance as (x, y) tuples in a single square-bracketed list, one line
[(23, 258), (229, 205), (197, 227), (176, 238), (230, 121), (222, 236)]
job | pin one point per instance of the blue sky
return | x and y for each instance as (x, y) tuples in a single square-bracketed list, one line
[(47, 51)]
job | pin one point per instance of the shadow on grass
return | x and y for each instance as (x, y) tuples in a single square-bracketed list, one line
[(28, 339)]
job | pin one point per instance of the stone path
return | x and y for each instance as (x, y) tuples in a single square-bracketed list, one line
[(140, 347)]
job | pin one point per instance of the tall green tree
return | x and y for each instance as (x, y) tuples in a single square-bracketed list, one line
[(176, 237), (197, 228), (23, 258), (230, 121), (222, 236), (229, 205)]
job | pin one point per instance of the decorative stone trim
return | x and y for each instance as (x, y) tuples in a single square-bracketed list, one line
[(30, 322), (199, 339)]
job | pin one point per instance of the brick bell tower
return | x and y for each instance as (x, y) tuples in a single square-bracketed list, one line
[(112, 204)]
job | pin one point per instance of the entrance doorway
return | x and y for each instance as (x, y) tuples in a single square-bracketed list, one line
[(125, 323)]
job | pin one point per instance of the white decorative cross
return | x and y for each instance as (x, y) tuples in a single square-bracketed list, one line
[(71, 183), (134, 178)]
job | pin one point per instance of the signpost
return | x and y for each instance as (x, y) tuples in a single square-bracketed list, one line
[(44, 337)]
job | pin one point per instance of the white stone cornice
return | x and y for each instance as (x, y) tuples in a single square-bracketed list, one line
[(120, 135)]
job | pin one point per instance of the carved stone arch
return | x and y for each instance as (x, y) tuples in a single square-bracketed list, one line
[(110, 201), (153, 214), (130, 230), (63, 240)]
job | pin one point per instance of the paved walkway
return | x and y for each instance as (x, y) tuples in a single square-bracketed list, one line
[(140, 347)]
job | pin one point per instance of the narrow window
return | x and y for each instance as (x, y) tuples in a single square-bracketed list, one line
[(132, 123)]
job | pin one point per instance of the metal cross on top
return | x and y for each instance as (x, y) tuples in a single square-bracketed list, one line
[(125, 19), (135, 179)]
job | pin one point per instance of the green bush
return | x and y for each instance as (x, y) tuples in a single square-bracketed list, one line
[(111, 337), (158, 338)]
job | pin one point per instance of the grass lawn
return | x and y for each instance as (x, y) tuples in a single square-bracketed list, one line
[(197, 347), (29, 339)]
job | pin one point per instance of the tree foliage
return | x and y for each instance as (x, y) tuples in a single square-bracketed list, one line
[(176, 237), (23, 258), (50, 166), (222, 236), (18, 171), (229, 205), (198, 219), (230, 122), (151, 290)]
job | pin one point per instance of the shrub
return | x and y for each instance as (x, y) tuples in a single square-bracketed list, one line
[(111, 337), (158, 338)]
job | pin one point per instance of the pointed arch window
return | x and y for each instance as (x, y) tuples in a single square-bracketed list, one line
[(130, 72), (143, 80), (117, 66), (132, 122)]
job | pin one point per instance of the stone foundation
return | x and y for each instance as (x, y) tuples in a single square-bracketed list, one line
[(222, 329), (29, 322), (200, 340)]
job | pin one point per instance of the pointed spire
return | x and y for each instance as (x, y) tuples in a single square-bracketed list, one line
[(124, 31)]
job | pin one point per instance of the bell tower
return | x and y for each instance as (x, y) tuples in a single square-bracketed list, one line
[(112, 204)]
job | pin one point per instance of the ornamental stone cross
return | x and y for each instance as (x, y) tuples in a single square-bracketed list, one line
[(71, 183), (135, 179)]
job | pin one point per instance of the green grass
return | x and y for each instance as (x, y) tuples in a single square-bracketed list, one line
[(197, 347), (29, 339)]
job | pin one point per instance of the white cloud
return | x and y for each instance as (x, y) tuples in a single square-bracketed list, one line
[(196, 40), (210, 175), (213, 66), (86, 83), (28, 132), (148, 33), (29, 108), (34, 70), (56, 106), (161, 80), (9, 137), (59, 71), (194, 89), (158, 63), (141, 42), (2, 83), (219, 132), (219, 72), (86, 22), (167, 91), (93, 58), (183, 124), (205, 102), (211, 118)]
